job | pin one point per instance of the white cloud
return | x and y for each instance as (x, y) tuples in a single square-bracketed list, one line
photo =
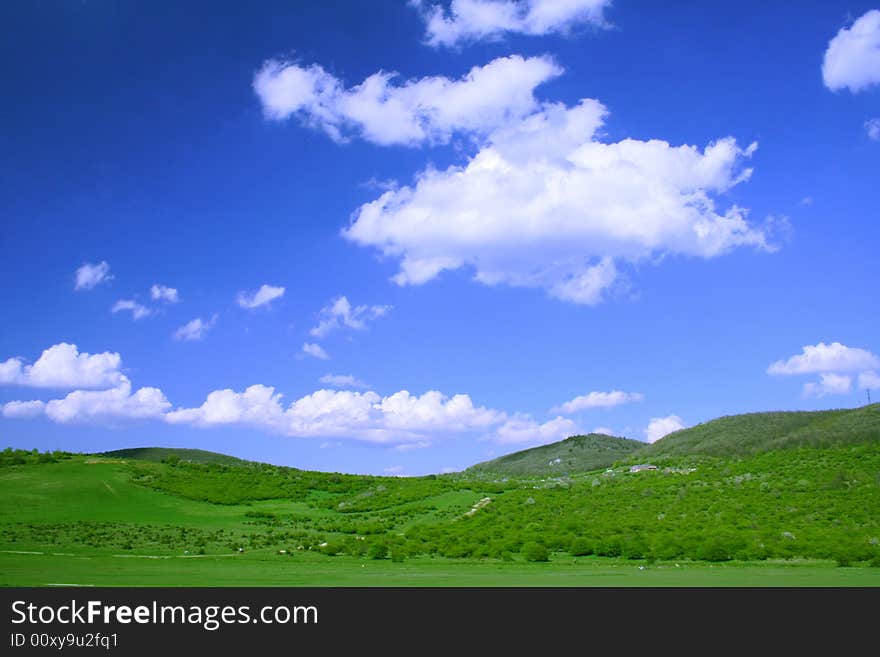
[(408, 447), (852, 59), (119, 402), (426, 110), (23, 409), (265, 295), (395, 470), (433, 410), (401, 420), (830, 384), (545, 204), (137, 310), (872, 128), (342, 381), (662, 426), (95, 405), (807, 200), (395, 419), (822, 357), (472, 20), (314, 350), (195, 329), (62, 366), (164, 293), (605, 431), (598, 400), (257, 405), (89, 275), (869, 380), (523, 429), (340, 313), (835, 363)]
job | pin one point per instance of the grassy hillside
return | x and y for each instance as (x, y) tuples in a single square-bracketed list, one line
[(764, 488), (159, 454), (574, 454), (103, 517), (753, 433)]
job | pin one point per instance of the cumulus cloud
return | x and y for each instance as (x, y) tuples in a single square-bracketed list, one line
[(433, 410), (830, 384), (137, 310), (195, 329), (834, 362), (401, 417), (314, 350), (869, 380), (852, 60), (23, 409), (164, 293), (605, 431), (89, 275), (402, 420), (598, 400), (63, 366), (426, 110), (342, 381), (265, 295), (545, 203), (834, 357), (523, 429), (872, 129), (257, 405), (94, 405), (119, 402), (340, 313), (662, 426), (473, 20)]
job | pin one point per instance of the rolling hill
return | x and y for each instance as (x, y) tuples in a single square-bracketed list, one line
[(574, 454), (754, 488), (730, 436), (159, 454), (754, 433)]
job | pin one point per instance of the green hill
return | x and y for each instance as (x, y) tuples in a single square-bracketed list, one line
[(760, 487), (74, 519), (574, 454), (754, 433), (160, 454)]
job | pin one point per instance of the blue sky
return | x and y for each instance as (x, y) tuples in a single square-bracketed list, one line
[(403, 238)]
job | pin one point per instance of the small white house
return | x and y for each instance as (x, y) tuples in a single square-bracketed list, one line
[(642, 466)]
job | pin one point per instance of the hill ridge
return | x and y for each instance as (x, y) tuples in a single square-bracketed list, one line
[(746, 434), (158, 454), (577, 453)]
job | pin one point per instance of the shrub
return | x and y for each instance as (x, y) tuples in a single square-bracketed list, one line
[(377, 551), (610, 548), (580, 547), (713, 550), (535, 552), (634, 548)]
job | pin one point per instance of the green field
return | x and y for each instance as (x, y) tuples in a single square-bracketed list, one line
[(89, 569), (800, 516)]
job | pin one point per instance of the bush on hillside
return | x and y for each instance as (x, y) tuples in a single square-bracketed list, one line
[(535, 552)]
